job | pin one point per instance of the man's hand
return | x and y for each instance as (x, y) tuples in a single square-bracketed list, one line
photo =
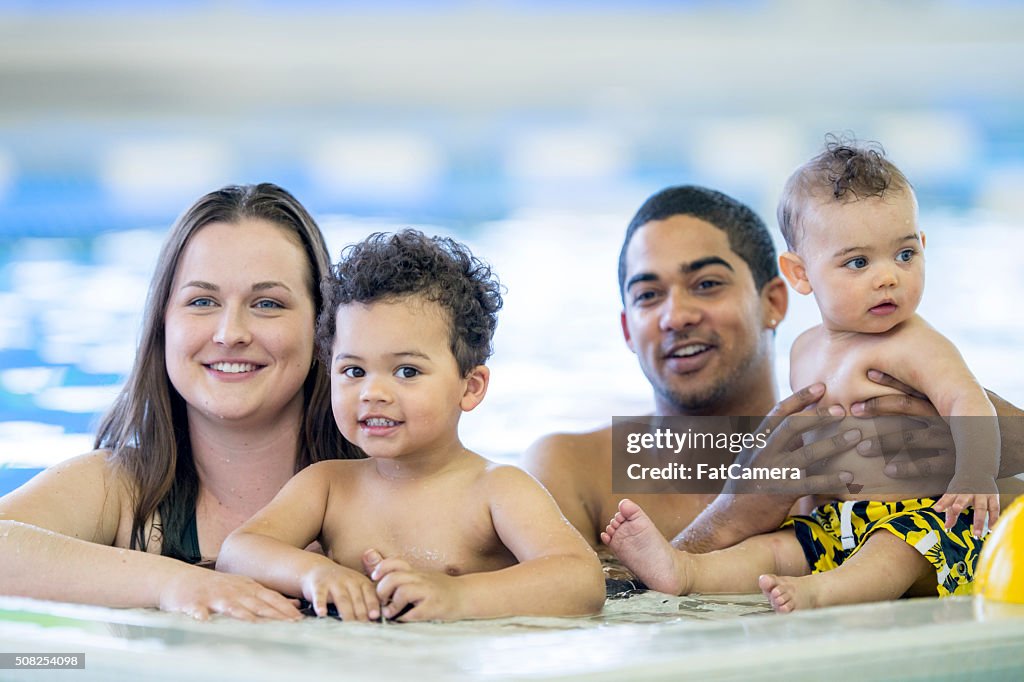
[(732, 517), (927, 440), (784, 429)]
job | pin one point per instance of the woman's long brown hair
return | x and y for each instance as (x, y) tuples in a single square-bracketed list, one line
[(146, 429)]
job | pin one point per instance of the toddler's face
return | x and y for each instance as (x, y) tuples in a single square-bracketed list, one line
[(395, 385), (864, 261)]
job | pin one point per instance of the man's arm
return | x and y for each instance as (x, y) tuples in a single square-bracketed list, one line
[(570, 466), (737, 514)]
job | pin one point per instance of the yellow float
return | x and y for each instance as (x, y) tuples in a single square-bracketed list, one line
[(1000, 572)]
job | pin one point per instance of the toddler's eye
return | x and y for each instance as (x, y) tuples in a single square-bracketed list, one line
[(407, 372), (858, 263), (354, 372), (905, 256)]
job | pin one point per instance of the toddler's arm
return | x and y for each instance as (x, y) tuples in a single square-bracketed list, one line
[(558, 573), (269, 548), (933, 364)]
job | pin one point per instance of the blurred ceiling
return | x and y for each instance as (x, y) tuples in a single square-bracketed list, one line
[(223, 59)]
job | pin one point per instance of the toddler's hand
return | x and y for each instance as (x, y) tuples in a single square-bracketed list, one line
[(428, 596), (985, 505), (351, 592)]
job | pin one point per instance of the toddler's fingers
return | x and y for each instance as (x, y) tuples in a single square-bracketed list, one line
[(360, 610), (341, 601), (388, 566), (993, 511), (403, 596), (371, 600), (318, 598)]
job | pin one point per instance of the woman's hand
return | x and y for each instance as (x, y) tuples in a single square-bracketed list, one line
[(198, 592)]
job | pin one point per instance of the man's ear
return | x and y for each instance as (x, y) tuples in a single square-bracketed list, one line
[(476, 387), (795, 272), (625, 331), (774, 302)]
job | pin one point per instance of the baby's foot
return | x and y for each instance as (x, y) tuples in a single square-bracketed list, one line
[(637, 542), (787, 594)]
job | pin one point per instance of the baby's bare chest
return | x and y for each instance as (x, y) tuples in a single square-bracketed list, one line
[(843, 364)]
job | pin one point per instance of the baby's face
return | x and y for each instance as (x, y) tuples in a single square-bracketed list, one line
[(396, 390), (865, 261)]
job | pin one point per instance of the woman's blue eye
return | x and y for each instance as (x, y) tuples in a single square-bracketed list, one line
[(266, 303), (906, 255), (407, 372), (201, 302), (856, 263), (354, 372)]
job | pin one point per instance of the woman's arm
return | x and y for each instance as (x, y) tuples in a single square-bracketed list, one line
[(56, 542)]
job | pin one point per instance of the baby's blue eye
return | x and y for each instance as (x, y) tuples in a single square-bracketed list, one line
[(354, 372), (407, 372), (858, 263), (906, 255)]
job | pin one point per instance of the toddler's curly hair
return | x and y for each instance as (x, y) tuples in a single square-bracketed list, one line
[(388, 267)]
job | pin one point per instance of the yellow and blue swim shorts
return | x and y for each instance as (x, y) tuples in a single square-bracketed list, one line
[(836, 531)]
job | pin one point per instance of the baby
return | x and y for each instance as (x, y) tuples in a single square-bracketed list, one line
[(423, 529), (849, 217)]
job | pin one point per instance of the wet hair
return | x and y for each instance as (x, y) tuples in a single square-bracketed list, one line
[(389, 267), (846, 171), (146, 429), (748, 235)]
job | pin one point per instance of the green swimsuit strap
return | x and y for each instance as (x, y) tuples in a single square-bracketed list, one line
[(190, 541)]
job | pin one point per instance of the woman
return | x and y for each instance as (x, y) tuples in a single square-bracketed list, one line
[(225, 402)]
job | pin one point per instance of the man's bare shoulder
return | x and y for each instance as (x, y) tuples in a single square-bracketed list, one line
[(569, 449)]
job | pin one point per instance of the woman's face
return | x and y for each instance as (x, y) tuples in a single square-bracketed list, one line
[(239, 323)]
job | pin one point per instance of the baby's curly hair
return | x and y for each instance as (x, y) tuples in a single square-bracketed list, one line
[(847, 170), (387, 267)]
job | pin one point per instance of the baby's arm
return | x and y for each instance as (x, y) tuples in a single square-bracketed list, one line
[(269, 548), (558, 574), (932, 363)]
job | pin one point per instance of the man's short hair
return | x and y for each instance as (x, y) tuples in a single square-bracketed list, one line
[(748, 235)]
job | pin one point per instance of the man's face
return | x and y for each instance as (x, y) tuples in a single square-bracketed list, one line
[(694, 317)]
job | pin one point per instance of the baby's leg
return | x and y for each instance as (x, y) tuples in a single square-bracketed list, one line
[(633, 537), (886, 567)]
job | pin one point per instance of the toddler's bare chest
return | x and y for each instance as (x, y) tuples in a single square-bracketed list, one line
[(842, 365)]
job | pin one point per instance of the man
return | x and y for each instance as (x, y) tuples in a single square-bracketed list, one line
[(701, 301)]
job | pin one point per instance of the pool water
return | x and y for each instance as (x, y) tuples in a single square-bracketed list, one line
[(646, 637)]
